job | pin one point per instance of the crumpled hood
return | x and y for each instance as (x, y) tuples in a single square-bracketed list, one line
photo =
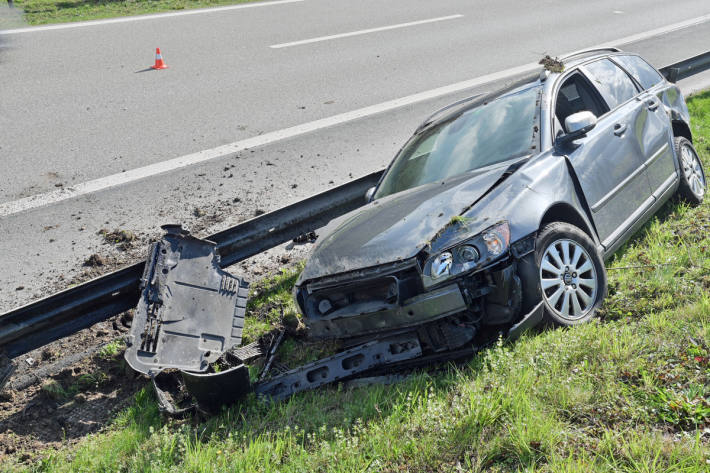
[(395, 227)]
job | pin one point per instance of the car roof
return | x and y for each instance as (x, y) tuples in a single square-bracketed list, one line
[(531, 78)]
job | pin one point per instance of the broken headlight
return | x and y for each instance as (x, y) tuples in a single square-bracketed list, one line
[(467, 255)]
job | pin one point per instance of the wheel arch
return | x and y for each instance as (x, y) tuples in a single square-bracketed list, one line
[(680, 128), (564, 212)]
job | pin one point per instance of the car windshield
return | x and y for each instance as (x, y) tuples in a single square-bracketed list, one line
[(493, 132)]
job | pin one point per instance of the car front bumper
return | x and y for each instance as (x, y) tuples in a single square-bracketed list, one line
[(421, 308)]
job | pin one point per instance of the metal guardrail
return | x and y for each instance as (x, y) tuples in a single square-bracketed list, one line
[(33, 325), (38, 323), (686, 68)]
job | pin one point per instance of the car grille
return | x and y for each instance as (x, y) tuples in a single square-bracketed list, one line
[(364, 292)]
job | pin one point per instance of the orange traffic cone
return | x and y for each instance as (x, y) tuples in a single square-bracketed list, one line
[(159, 64)]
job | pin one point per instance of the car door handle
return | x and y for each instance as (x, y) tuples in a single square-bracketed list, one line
[(619, 129), (652, 104)]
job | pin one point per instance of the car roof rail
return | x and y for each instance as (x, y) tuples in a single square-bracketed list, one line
[(589, 52), (431, 118)]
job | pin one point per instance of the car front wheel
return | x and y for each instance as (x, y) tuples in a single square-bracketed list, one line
[(571, 275)]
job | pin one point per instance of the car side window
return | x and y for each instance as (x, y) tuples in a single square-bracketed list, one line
[(646, 75), (576, 95), (613, 83)]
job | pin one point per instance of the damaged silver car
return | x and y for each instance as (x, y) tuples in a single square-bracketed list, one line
[(501, 209), (495, 216)]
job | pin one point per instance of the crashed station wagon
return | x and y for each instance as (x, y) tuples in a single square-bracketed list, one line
[(494, 217), (500, 210)]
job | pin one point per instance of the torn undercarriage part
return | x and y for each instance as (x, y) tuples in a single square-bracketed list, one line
[(182, 392), (190, 310), (341, 366)]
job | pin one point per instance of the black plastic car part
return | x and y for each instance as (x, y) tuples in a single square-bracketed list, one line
[(190, 311), (341, 366)]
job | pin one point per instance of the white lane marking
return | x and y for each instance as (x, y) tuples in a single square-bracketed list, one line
[(88, 187), (655, 32), (360, 32), (155, 16)]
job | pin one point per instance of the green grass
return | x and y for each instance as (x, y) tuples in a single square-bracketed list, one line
[(38, 12), (629, 392), (57, 391), (112, 349)]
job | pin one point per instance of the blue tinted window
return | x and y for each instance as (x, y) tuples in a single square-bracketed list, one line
[(642, 72), (613, 83)]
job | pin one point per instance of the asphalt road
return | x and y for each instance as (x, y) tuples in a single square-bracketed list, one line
[(78, 104)]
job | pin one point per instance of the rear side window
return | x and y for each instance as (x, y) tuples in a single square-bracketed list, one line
[(646, 75), (613, 83)]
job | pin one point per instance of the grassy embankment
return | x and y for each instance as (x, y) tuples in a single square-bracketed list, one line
[(37, 12), (628, 392)]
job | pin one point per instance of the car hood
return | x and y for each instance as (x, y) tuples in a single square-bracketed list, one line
[(395, 227)]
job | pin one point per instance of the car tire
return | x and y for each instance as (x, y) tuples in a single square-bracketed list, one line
[(570, 274), (692, 176)]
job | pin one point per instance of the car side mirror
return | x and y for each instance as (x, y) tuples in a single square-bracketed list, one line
[(369, 194), (577, 125)]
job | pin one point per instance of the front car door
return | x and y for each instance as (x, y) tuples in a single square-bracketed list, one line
[(608, 161)]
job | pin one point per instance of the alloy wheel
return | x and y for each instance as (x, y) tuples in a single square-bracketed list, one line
[(568, 279)]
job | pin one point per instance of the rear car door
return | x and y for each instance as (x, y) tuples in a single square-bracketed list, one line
[(608, 161), (655, 132)]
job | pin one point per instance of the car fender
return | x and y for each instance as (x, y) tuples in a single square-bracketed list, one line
[(526, 198), (674, 103)]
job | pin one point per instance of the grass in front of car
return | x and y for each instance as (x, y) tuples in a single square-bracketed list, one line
[(628, 392), (38, 12)]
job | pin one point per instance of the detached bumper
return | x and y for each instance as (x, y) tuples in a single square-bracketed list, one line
[(425, 307)]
